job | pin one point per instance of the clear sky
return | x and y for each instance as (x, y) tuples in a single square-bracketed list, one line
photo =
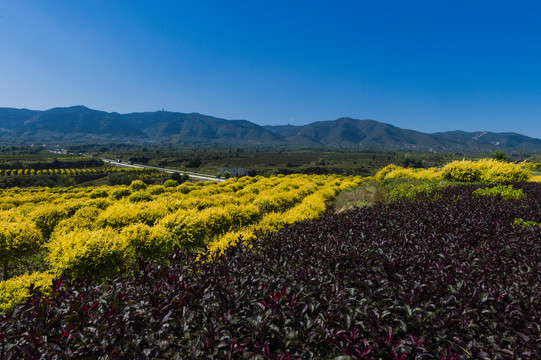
[(429, 65)]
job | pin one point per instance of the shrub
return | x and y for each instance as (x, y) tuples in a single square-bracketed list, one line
[(150, 242), (16, 289), (504, 191), (521, 222), (95, 253), (98, 193), (156, 190), (120, 193), (170, 183), (462, 171), (83, 218), (137, 185), (412, 189), (487, 170), (499, 155), (381, 174), (140, 196), (47, 216), (17, 239)]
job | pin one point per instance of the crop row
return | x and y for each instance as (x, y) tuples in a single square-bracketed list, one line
[(82, 171), (457, 277), (99, 231)]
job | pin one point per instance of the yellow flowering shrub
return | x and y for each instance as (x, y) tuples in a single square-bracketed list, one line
[(47, 216), (137, 185), (186, 227), (120, 192), (497, 172), (394, 172), (122, 214), (151, 242), (118, 215), (485, 170), (83, 218), (16, 289), (18, 239), (231, 238), (95, 253), (242, 215)]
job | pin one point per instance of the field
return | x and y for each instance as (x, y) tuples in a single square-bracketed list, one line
[(268, 162), (437, 264)]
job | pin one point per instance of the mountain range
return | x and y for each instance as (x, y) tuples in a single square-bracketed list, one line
[(81, 124)]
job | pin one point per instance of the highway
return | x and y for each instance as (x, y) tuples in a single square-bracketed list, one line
[(192, 175)]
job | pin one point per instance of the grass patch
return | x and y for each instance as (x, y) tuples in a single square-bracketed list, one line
[(367, 193)]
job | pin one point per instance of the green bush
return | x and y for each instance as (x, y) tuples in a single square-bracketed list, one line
[(409, 189), (504, 191), (528, 224)]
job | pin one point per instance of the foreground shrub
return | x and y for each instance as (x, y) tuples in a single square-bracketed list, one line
[(47, 217), (18, 239), (16, 289), (96, 253), (451, 278), (151, 242)]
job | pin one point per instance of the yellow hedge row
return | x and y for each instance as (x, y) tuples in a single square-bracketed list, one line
[(97, 231), (485, 170)]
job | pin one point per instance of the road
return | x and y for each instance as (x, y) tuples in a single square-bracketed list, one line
[(192, 175)]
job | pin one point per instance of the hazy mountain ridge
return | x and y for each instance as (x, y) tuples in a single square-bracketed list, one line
[(81, 124)]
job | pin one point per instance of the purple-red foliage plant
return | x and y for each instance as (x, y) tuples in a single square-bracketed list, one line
[(450, 278)]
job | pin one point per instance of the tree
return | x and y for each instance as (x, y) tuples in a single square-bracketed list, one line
[(180, 178), (499, 155)]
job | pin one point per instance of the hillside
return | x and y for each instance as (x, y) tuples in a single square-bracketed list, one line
[(370, 134), (81, 124)]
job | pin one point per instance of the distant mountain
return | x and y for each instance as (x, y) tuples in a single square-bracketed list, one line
[(347, 132), (367, 134), (506, 140), (197, 128), (81, 124)]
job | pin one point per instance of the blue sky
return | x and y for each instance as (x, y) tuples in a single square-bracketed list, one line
[(423, 65)]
